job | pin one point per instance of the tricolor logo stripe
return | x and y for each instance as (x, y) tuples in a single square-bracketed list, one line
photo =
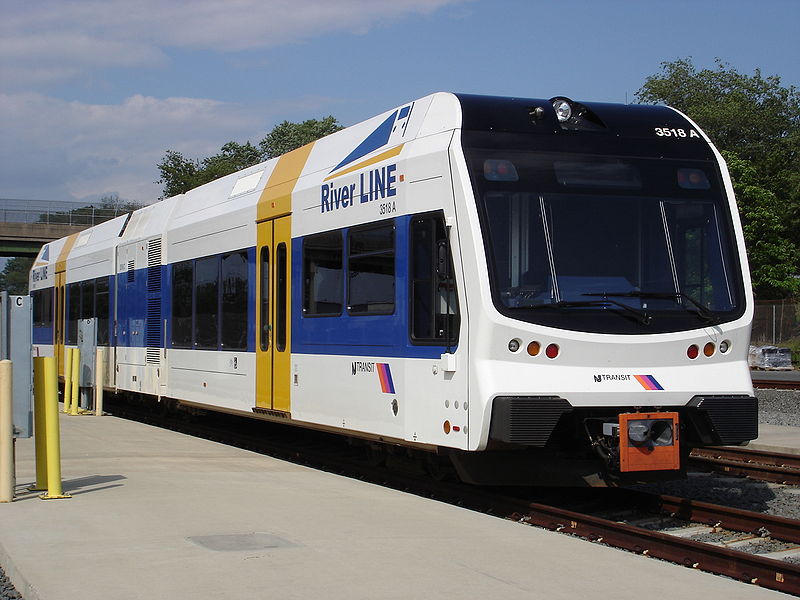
[(648, 382), (385, 375)]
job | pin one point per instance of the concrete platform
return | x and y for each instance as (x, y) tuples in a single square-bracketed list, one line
[(155, 514), (777, 438)]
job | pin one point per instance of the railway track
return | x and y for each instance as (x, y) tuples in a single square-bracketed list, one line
[(673, 545), (754, 464), (775, 384), (595, 517)]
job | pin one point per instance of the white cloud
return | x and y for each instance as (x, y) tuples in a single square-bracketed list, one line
[(56, 150), (50, 41)]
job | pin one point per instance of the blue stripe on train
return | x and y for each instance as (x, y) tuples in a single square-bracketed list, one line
[(352, 335), (359, 335)]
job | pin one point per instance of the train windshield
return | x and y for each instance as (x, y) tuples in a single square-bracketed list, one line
[(607, 244)]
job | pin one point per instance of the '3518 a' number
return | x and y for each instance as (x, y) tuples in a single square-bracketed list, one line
[(678, 133)]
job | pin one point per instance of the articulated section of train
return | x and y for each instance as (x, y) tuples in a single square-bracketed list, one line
[(541, 291)]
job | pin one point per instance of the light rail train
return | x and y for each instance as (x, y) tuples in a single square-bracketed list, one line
[(531, 290)]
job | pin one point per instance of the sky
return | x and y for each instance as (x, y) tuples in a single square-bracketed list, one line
[(94, 92)]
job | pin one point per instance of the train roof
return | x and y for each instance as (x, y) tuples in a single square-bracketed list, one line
[(238, 197)]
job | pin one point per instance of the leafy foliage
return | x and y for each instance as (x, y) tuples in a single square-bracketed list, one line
[(772, 256), (180, 174), (287, 136), (757, 121), (14, 278)]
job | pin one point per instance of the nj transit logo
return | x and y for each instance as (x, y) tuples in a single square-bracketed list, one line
[(374, 184)]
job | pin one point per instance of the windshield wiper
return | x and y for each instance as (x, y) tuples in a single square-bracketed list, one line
[(638, 315), (701, 311)]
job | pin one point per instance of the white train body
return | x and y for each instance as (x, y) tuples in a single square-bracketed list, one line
[(460, 274)]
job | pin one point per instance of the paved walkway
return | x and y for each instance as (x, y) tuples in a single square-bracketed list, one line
[(155, 514)]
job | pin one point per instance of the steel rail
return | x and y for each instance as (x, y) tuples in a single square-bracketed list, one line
[(756, 464), (752, 568), (727, 517), (776, 384)]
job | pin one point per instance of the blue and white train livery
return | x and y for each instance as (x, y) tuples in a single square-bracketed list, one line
[(538, 290)]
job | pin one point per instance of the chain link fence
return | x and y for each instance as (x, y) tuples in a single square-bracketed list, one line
[(777, 323)]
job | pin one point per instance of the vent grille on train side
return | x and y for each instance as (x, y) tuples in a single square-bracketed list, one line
[(154, 329), (527, 420), (732, 419)]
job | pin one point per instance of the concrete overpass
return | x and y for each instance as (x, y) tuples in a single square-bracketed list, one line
[(26, 225)]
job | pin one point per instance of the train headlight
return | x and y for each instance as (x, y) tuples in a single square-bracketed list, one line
[(563, 109), (638, 431), (724, 346), (513, 345), (650, 432), (661, 433)]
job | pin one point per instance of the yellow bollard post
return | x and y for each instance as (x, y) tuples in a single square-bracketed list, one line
[(67, 378), (76, 373), (6, 434), (39, 431), (54, 490), (99, 376)]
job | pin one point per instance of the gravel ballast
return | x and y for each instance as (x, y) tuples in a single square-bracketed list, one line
[(7, 589), (779, 407), (775, 407)]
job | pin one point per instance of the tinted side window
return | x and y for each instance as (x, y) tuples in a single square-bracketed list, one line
[(265, 291), (74, 312), (206, 292), (234, 301), (322, 274), (87, 299), (182, 284), (42, 307), (434, 303), (101, 308), (282, 276), (371, 270)]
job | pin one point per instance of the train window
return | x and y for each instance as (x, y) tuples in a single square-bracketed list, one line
[(371, 281), (101, 309), (234, 301), (87, 299), (206, 302), (281, 292), (434, 305), (42, 307), (700, 265), (264, 309), (73, 312), (182, 278), (322, 274)]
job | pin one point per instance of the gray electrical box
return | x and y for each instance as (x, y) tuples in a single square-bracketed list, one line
[(15, 345), (87, 344)]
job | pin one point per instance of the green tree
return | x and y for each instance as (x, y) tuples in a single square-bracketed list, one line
[(14, 277), (287, 136), (757, 121), (180, 174), (772, 256)]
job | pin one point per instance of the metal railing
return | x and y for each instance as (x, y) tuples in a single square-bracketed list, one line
[(56, 213)]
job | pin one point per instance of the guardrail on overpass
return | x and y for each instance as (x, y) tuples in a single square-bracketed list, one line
[(25, 225)]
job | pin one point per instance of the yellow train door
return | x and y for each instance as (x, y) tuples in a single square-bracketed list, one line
[(273, 318)]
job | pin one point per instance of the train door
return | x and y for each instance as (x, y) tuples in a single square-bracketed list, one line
[(273, 359)]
